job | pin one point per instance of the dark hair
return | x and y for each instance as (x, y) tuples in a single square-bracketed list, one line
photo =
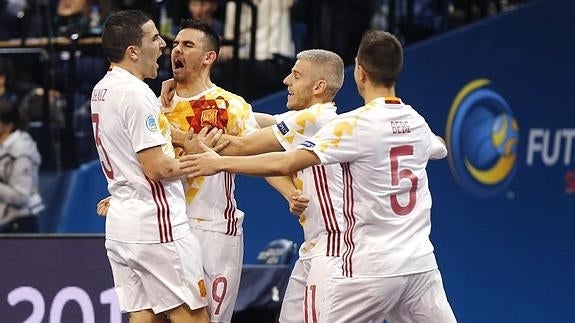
[(213, 39), (381, 56), (121, 30), (9, 113)]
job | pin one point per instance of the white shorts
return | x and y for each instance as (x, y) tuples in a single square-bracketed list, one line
[(415, 298), (158, 276), (306, 289), (223, 258)]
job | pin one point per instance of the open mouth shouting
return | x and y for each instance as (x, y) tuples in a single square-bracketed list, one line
[(177, 64)]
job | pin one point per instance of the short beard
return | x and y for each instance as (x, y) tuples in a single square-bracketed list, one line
[(180, 78)]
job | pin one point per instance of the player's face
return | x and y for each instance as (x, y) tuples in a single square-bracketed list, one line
[(189, 54), (151, 50), (300, 84)]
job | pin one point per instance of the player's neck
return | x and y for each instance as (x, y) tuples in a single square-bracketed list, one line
[(193, 86), (318, 101), (131, 68), (371, 93)]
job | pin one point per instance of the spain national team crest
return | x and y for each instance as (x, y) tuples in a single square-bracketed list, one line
[(212, 112), (482, 137)]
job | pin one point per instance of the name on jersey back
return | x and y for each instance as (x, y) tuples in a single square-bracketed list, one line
[(399, 127), (98, 94)]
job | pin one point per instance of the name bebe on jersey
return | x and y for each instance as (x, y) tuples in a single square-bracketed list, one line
[(399, 127)]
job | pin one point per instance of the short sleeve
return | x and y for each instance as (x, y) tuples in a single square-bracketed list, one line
[(282, 116), (142, 115), (301, 126), (437, 149), (337, 142), (242, 121)]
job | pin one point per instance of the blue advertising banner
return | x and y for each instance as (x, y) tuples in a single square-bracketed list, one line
[(499, 92)]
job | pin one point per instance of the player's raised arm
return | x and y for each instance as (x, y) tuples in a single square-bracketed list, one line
[(270, 164), (258, 142), (264, 119)]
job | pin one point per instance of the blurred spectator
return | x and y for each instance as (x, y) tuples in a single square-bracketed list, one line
[(69, 17), (10, 12), (5, 93), (76, 17), (336, 25), (148, 6), (411, 20), (273, 30), (20, 202), (203, 10), (32, 106), (274, 47)]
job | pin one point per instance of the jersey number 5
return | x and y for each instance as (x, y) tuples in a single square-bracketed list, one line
[(104, 159), (398, 174)]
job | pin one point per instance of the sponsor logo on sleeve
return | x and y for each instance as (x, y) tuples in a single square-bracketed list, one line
[(308, 144), (283, 128)]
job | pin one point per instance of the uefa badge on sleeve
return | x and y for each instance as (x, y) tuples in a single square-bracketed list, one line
[(151, 123)]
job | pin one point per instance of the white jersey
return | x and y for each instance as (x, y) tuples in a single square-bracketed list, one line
[(211, 204), (385, 146), (322, 221), (126, 119), (284, 115)]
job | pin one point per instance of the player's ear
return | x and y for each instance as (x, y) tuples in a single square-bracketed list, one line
[(320, 87), (361, 72), (132, 52), (211, 57)]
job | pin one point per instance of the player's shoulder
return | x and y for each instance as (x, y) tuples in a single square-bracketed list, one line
[(414, 115), (120, 85), (328, 110), (231, 97)]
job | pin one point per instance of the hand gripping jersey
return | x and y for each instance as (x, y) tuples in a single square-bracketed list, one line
[(125, 119), (384, 147), (210, 200), (322, 221)]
